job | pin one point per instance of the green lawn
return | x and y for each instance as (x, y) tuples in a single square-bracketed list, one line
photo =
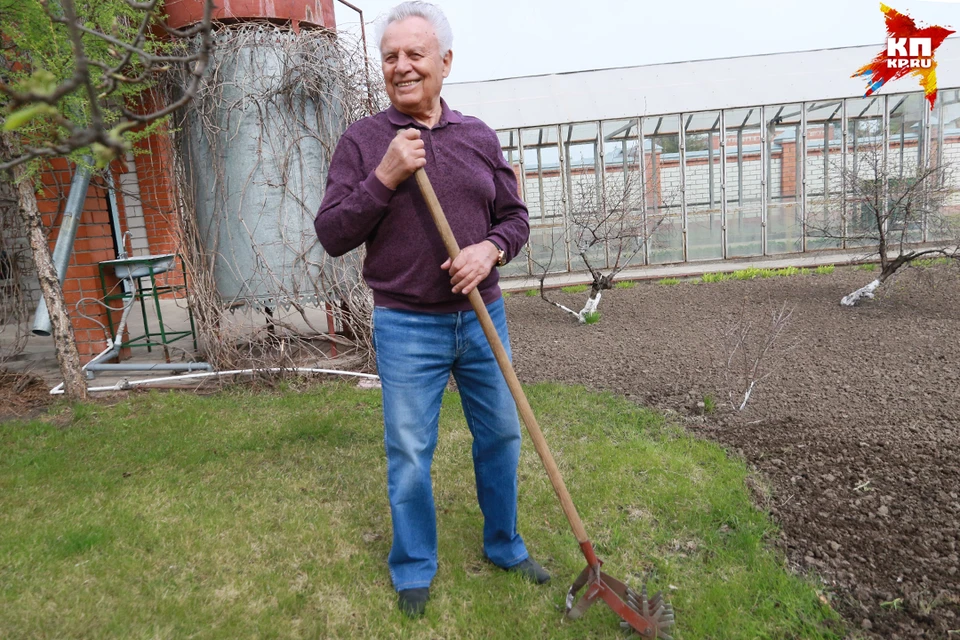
[(264, 514)]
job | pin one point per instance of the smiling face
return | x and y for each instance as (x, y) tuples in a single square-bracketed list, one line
[(413, 69)]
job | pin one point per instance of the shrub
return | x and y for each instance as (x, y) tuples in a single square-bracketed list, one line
[(870, 266), (714, 277), (788, 271), (625, 284), (825, 269), (669, 281), (574, 288), (591, 317), (531, 293), (747, 274)]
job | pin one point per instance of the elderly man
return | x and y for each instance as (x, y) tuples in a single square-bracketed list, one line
[(424, 327)]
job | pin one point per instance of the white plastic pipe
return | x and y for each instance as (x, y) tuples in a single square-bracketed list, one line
[(129, 384)]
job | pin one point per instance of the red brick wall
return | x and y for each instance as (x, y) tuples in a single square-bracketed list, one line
[(788, 172), (654, 190)]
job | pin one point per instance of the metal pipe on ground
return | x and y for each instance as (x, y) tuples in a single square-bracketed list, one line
[(159, 366), (68, 233)]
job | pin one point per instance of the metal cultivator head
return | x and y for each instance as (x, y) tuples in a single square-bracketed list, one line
[(650, 617)]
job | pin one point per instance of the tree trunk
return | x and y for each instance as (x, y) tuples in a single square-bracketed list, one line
[(854, 298), (591, 304), (65, 344), (887, 270)]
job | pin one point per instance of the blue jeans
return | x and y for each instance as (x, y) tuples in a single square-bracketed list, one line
[(415, 354)]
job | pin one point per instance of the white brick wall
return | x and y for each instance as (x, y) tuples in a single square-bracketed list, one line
[(552, 194), (951, 158), (668, 177), (698, 185), (751, 180), (133, 207), (774, 180)]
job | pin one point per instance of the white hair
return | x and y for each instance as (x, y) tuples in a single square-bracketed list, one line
[(417, 9)]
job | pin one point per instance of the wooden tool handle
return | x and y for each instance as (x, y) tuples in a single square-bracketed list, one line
[(505, 365)]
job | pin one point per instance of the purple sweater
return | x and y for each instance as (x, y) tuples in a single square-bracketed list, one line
[(476, 187)]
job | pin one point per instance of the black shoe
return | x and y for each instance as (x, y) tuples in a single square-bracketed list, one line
[(531, 570), (413, 602)]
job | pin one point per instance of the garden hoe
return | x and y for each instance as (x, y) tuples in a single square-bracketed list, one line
[(650, 617)]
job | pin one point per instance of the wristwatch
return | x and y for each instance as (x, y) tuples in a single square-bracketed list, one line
[(501, 255)]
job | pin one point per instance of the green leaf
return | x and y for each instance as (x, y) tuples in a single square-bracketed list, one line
[(102, 154), (42, 82), (24, 115)]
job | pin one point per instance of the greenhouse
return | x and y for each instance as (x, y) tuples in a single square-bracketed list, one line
[(739, 180)]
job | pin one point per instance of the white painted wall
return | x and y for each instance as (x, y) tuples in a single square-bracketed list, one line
[(682, 87)]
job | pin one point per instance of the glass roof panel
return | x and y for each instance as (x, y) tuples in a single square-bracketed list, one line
[(824, 111), (660, 125), (619, 129), (742, 118), (702, 121), (539, 136), (579, 132)]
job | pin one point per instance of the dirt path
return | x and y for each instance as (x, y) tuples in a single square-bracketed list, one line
[(857, 432)]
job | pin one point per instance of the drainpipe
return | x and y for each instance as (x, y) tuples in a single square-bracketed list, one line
[(68, 233)]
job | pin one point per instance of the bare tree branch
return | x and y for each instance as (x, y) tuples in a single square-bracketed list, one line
[(750, 352), (614, 221), (97, 131), (895, 210)]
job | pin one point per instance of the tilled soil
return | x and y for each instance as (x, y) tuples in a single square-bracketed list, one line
[(856, 430)]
